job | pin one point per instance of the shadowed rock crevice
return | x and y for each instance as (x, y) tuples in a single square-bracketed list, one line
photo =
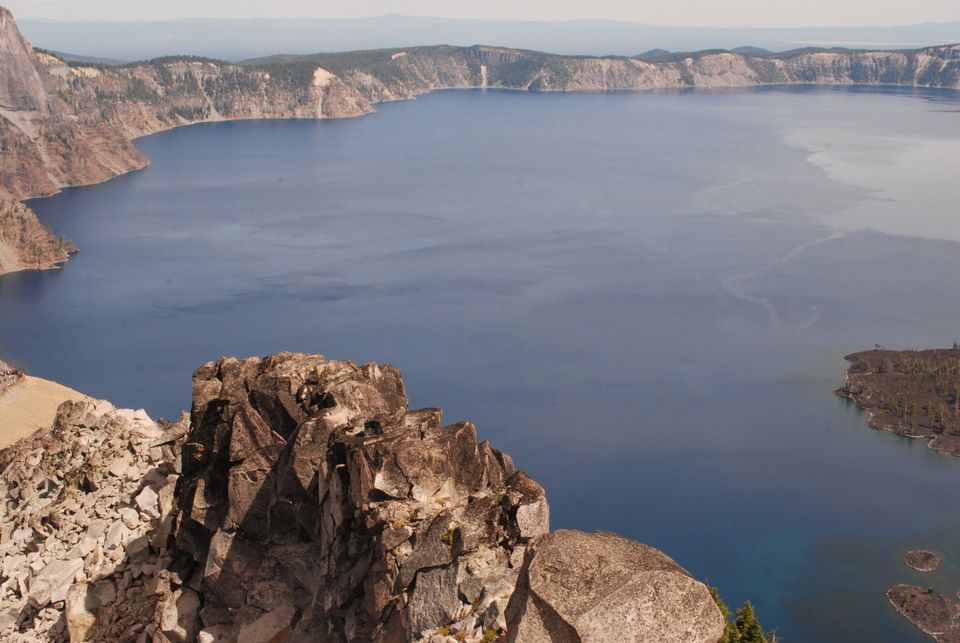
[(313, 501), (315, 505)]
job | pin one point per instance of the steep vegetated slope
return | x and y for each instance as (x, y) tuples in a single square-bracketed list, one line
[(65, 123)]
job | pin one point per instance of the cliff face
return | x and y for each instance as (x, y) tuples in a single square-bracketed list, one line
[(304, 501), (46, 143), (21, 81), (392, 74), (70, 124), (25, 243), (45, 146)]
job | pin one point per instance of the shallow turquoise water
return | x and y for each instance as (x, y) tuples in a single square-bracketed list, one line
[(641, 297)]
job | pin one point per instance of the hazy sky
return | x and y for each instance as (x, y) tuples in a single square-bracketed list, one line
[(710, 13)]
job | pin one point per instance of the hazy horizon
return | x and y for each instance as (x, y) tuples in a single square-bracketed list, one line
[(686, 13), (238, 39), (26, 16)]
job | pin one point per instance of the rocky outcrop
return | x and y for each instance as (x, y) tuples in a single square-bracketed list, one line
[(315, 501), (304, 501), (25, 243), (593, 588), (8, 376)]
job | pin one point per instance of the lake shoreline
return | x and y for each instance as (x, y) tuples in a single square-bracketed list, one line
[(892, 387), (166, 127), (390, 239)]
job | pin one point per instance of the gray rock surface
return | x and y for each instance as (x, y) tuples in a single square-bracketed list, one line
[(309, 484), (71, 568), (593, 588)]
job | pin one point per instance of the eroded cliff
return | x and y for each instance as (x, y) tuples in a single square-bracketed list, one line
[(25, 243), (70, 124), (46, 145)]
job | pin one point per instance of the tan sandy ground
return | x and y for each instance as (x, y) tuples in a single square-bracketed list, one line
[(31, 404)]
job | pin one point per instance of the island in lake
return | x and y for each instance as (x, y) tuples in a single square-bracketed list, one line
[(912, 393), (937, 615), (921, 560)]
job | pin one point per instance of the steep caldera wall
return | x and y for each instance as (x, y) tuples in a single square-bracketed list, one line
[(25, 243), (70, 124)]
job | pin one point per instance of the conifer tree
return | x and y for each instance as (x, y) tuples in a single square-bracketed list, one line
[(745, 628), (748, 627), (730, 628)]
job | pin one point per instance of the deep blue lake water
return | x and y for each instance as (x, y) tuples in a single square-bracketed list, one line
[(644, 298)]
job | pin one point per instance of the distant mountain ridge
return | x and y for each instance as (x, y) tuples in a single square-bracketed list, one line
[(65, 123), (84, 60), (241, 39)]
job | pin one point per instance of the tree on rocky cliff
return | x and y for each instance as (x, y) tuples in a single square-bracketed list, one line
[(748, 627), (745, 628)]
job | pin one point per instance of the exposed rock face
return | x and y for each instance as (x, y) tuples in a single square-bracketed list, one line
[(602, 587), (312, 505), (314, 500), (48, 143), (25, 243)]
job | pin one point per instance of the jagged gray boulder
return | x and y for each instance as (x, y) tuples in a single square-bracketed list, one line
[(577, 587), (309, 484)]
